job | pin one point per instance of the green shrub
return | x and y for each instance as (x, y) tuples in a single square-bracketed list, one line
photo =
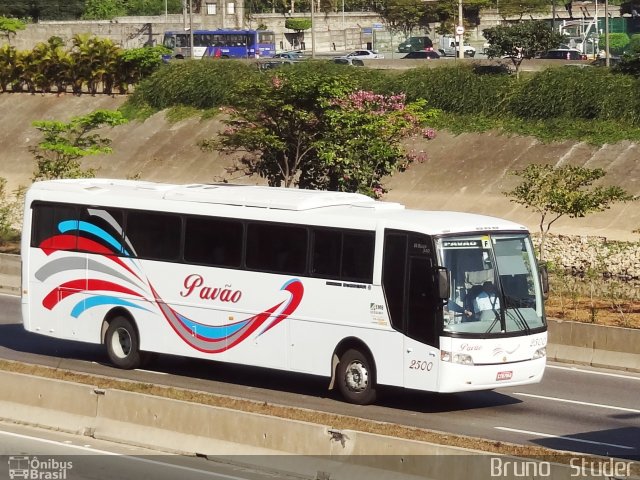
[(297, 24), (200, 84), (586, 93), (457, 89)]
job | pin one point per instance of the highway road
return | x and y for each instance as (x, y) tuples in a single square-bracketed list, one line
[(575, 408)]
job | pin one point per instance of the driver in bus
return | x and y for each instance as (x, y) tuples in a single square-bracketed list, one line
[(486, 301)]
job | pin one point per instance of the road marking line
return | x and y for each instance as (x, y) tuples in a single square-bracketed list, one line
[(128, 457), (572, 439), (581, 370), (564, 400)]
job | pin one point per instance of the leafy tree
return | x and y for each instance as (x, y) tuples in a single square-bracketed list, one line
[(316, 129), (446, 12), (519, 9), (42, 9), (617, 42), (297, 24), (554, 192), (403, 16), (521, 40), (63, 145), (104, 9), (10, 26), (135, 64)]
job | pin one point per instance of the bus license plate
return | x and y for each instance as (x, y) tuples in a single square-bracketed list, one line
[(504, 376)]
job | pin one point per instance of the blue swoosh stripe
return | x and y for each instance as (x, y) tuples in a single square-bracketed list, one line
[(96, 301), (69, 225), (213, 332)]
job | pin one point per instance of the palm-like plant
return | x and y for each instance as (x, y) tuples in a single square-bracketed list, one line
[(92, 59), (55, 64), (8, 61)]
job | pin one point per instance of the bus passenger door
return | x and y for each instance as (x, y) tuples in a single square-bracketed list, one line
[(420, 341)]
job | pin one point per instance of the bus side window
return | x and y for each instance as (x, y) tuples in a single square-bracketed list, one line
[(277, 248), (106, 226), (213, 241), (327, 248), (55, 224), (154, 236), (357, 257)]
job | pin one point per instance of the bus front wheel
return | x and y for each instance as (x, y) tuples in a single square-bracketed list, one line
[(123, 344), (355, 378)]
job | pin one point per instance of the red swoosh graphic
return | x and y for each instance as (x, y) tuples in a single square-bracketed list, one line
[(76, 286)]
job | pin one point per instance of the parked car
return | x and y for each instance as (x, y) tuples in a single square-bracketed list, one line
[(272, 63), (363, 55), (413, 44), (289, 55), (356, 62), (424, 54), (564, 54)]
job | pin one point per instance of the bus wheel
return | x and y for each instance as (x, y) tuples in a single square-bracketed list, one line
[(122, 344), (355, 378)]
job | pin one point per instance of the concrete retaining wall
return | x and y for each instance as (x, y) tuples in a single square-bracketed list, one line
[(219, 433)]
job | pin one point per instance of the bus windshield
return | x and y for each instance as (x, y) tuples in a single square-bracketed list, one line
[(495, 286)]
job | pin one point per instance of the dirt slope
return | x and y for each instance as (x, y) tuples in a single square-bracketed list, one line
[(467, 172)]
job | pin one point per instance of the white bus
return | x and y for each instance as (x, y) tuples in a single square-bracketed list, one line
[(363, 292)]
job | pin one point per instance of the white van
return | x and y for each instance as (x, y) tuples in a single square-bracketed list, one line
[(448, 47)]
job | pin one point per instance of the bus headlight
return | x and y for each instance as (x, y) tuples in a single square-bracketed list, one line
[(540, 353), (461, 358)]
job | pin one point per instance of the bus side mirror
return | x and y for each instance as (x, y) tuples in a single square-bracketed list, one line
[(544, 280), (444, 283)]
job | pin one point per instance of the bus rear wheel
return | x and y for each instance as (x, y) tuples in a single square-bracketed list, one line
[(355, 378), (123, 344)]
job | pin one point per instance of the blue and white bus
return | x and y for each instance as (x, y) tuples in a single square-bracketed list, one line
[(221, 43)]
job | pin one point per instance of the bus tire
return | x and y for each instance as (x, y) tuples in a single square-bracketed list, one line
[(355, 378), (123, 346)]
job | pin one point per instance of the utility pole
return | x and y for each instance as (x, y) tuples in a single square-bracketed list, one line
[(461, 30), (191, 29), (606, 33), (313, 31)]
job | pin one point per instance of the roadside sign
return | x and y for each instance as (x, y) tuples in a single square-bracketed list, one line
[(459, 30)]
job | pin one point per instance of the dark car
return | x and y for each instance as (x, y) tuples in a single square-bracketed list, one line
[(602, 61), (295, 55), (356, 62), (413, 44), (422, 54), (563, 54)]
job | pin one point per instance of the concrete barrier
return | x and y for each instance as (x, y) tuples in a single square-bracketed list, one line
[(10, 273), (30, 399), (595, 345), (229, 435)]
